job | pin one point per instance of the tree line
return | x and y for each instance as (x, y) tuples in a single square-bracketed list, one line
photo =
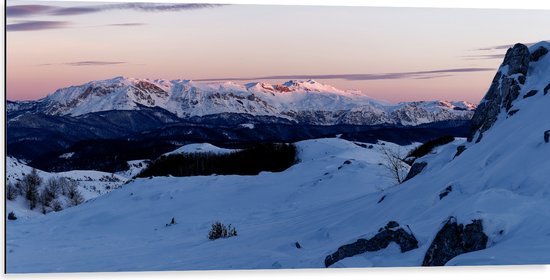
[(274, 157)]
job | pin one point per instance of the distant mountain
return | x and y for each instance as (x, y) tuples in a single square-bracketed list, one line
[(107, 123), (304, 102)]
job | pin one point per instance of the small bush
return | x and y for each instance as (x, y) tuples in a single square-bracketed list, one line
[(427, 147), (75, 197), (11, 216), (56, 205), (395, 165), (11, 192), (219, 230)]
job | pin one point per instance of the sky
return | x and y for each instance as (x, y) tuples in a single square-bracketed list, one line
[(394, 54)]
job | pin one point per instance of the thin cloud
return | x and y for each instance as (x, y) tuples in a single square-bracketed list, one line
[(36, 25), (94, 63), (27, 10), (483, 56), (130, 24), (86, 63), (75, 11), (430, 74), (504, 47), (33, 10)]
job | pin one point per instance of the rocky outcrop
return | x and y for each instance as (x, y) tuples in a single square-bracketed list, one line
[(392, 232), (504, 89), (455, 239), (547, 136), (416, 168)]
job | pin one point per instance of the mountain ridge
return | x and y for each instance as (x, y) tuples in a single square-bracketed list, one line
[(301, 101)]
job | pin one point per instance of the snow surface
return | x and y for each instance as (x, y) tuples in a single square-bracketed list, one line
[(125, 229)]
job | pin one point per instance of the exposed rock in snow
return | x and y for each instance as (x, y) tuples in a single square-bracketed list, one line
[(507, 84), (416, 168), (445, 192), (459, 150), (392, 232), (455, 239), (538, 53), (503, 91)]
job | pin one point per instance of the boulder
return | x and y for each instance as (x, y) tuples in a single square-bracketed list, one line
[(392, 232), (455, 239), (416, 168)]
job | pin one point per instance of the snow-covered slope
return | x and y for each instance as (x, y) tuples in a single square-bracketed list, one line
[(302, 101), (125, 229)]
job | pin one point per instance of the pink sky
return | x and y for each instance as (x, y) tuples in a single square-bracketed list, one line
[(395, 54)]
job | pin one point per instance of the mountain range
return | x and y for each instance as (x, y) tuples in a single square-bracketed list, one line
[(296, 101), (106, 123)]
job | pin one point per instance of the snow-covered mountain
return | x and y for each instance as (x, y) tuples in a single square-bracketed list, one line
[(300, 101)]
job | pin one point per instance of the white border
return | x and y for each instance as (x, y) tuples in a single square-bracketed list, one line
[(446, 273)]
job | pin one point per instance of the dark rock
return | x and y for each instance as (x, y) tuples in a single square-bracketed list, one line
[(547, 136), (381, 199), (538, 53), (546, 89), (521, 79), (347, 162), (445, 192), (513, 112), (453, 240), (298, 245), (504, 89), (517, 58), (459, 150), (416, 168), (11, 216), (391, 224), (391, 233), (479, 138), (409, 160), (530, 93)]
